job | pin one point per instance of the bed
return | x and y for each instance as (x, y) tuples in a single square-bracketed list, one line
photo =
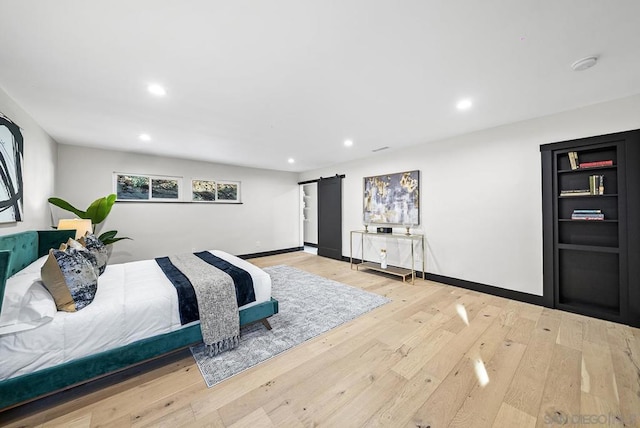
[(60, 350)]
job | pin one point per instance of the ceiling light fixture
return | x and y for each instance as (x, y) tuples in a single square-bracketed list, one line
[(464, 104), (157, 90), (348, 143), (291, 160), (145, 137), (584, 63)]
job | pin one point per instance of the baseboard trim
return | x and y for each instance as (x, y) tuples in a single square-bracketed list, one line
[(270, 253), (488, 289), (309, 244), (476, 286)]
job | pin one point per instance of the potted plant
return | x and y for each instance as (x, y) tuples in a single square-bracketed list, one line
[(97, 212)]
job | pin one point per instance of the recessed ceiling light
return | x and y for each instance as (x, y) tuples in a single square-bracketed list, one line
[(584, 63), (145, 137), (348, 143), (291, 160), (157, 90), (464, 104)]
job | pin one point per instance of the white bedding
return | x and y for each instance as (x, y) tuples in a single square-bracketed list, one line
[(134, 301)]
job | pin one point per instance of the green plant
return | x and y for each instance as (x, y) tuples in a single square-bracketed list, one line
[(97, 212)]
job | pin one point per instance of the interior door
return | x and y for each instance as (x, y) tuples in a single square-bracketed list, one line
[(330, 217)]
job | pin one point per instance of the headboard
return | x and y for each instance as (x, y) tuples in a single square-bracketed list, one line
[(19, 250)]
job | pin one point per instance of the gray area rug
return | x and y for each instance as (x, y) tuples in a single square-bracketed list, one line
[(308, 306)]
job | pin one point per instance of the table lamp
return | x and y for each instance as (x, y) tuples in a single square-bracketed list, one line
[(80, 225)]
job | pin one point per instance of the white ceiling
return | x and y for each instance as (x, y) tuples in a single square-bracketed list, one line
[(255, 82)]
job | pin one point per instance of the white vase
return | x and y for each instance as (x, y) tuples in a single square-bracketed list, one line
[(383, 259)]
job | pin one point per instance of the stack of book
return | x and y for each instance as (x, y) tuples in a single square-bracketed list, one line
[(575, 164), (573, 160), (587, 215), (596, 184), (596, 187)]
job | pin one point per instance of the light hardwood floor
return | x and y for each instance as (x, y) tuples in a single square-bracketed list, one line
[(412, 362)]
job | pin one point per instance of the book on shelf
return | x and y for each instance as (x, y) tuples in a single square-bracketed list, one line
[(601, 185), (575, 192), (573, 160), (587, 217), (587, 211), (596, 184), (596, 164)]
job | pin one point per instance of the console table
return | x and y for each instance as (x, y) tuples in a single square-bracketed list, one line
[(399, 271)]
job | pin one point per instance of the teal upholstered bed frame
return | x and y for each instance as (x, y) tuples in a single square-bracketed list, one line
[(19, 250)]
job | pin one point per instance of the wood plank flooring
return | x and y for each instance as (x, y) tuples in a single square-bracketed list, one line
[(414, 362)]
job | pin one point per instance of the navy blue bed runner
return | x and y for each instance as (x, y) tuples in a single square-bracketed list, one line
[(187, 302)]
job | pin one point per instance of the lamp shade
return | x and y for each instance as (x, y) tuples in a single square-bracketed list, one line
[(80, 225)]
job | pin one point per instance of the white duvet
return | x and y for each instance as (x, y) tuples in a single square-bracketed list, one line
[(134, 301)]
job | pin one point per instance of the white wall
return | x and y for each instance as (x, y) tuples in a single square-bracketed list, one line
[(311, 213), (38, 169), (481, 202), (268, 219)]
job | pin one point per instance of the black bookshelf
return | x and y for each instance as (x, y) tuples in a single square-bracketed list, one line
[(591, 265)]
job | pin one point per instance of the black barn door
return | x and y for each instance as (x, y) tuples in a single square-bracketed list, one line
[(330, 217)]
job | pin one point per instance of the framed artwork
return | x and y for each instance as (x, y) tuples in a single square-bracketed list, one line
[(138, 187), (131, 187), (11, 151), (228, 191), (165, 188), (392, 199), (203, 191)]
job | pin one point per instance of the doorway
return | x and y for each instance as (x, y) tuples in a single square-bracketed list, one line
[(310, 217), (328, 215)]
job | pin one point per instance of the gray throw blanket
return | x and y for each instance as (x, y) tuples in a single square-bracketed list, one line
[(216, 295)]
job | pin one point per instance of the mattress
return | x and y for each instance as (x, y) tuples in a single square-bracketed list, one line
[(134, 301)]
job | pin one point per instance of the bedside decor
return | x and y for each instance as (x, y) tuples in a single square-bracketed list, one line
[(80, 225), (392, 198), (97, 212)]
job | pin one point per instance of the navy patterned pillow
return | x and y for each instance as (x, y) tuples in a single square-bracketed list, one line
[(74, 247), (97, 248), (70, 279)]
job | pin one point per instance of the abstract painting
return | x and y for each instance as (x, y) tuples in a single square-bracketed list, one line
[(147, 188), (132, 187), (228, 191), (392, 199), (165, 188), (11, 150), (203, 190)]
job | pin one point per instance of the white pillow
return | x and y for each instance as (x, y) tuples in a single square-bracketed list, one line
[(26, 304), (34, 267)]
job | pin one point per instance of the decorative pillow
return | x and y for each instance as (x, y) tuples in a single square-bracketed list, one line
[(74, 247), (97, 248), (70, 278), (33, 268), (26, 304)]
